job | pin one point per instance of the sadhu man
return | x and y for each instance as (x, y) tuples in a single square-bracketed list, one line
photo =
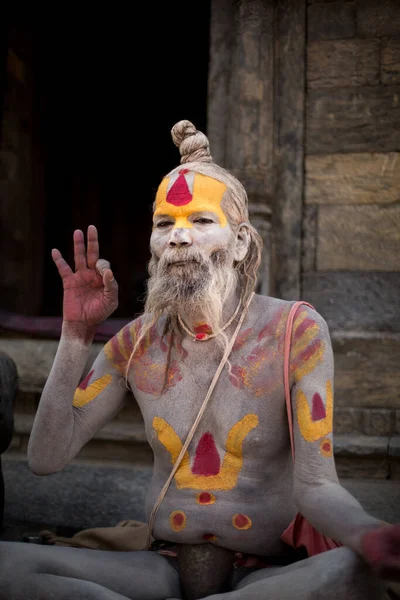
[(254, 507)]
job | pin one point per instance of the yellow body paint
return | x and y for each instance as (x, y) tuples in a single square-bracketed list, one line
[(206, 197), (311, 428), (231, 466), (84, 395), (307, 348)]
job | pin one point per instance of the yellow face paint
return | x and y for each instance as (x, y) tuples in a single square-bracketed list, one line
[(187, 193)]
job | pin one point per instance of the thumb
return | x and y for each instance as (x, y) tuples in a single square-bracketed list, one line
[(109, 282)]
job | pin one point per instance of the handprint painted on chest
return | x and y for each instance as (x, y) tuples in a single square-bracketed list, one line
[(153, 366), (261, 370)]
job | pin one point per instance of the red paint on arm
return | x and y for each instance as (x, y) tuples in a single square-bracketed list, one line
[(85, 382), (318, 408), (303, 327), (304, 356)]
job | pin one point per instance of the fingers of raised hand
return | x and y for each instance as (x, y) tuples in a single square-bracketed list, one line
[(103, 268), (63, 267), (92, 254), (79, 250)]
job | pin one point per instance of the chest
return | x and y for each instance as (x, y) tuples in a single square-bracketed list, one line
[(245, 419)]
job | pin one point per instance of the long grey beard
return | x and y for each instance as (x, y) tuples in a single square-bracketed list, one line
[(198, 286)]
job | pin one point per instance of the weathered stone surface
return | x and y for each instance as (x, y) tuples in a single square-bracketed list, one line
[(394, 446), (347, 420), (353, 119), (309, 243), (79, 496), (34, 359), (360, 445), (353, 178), (367, 375), (390, 61), (363, 467), (342, 63), (378, 421), (365, 238), (398, 421), (289, 84), (339, 296), (333, 20), (378, 19)]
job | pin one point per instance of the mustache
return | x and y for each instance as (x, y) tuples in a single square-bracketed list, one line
[(173, 256)]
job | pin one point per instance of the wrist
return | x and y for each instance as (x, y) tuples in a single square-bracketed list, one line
[(355, 538), (79, 331)]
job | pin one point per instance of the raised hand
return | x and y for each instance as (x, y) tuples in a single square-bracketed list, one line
[(91, 292)]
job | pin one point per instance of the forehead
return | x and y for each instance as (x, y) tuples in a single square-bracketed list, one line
[(186, 192)]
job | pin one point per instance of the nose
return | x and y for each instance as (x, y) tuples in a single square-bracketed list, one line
[(180, 237)]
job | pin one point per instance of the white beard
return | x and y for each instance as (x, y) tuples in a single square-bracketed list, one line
[(197, 286)]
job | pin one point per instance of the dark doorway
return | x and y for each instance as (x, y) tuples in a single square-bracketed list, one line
[(110, 88)]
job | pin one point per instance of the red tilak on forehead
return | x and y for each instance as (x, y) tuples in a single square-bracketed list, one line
[(179, 194)]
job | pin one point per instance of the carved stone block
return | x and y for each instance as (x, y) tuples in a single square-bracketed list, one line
[(353, 178), (390, 61), (378, 19), (378, 421), (342, 63), (357, 119), (365, 238), (333, 20)]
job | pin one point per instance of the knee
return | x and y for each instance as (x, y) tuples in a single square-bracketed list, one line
[(13, 571), (348, 571)]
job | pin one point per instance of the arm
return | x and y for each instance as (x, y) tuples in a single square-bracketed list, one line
[(319, 497), (62, 423), (71, 411)]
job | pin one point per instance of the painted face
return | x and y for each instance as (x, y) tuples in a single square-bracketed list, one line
[(187, 193), (188, 211)]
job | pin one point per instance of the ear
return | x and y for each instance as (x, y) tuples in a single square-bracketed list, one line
[(242, 242)]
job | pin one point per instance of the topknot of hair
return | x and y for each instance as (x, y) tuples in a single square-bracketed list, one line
[(193, 144)]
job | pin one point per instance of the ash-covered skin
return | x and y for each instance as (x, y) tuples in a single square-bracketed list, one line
[(237, 489)]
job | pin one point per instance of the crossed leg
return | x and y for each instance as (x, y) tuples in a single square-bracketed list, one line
[(34, 572), (338, 573)]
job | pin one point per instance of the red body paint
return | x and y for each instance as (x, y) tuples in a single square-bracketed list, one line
[(179, 194), (206, 461), (318, 408), (85, 382)]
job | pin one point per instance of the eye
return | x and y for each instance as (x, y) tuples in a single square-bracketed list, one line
[(203, 221), (163, 224)]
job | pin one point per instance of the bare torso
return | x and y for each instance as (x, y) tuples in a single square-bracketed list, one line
[(233, 487)]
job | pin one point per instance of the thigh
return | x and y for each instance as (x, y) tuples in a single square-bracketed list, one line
[(136, 575), (338, 573)]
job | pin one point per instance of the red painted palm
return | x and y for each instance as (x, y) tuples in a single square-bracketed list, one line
[(90, 292)]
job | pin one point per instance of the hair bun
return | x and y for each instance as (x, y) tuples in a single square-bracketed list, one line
[(193, 144)]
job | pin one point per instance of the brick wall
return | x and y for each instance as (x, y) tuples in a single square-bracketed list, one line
[(351, 223)]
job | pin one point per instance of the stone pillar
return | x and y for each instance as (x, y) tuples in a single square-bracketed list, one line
[(255, 120)]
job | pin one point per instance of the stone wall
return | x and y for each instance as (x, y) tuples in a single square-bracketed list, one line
[(351, 221)]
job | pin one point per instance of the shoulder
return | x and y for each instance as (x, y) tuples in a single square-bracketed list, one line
[(136, 336), (271, 310)]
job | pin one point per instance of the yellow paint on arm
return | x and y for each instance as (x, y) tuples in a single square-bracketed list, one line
[(82, 397), (309, 429)]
